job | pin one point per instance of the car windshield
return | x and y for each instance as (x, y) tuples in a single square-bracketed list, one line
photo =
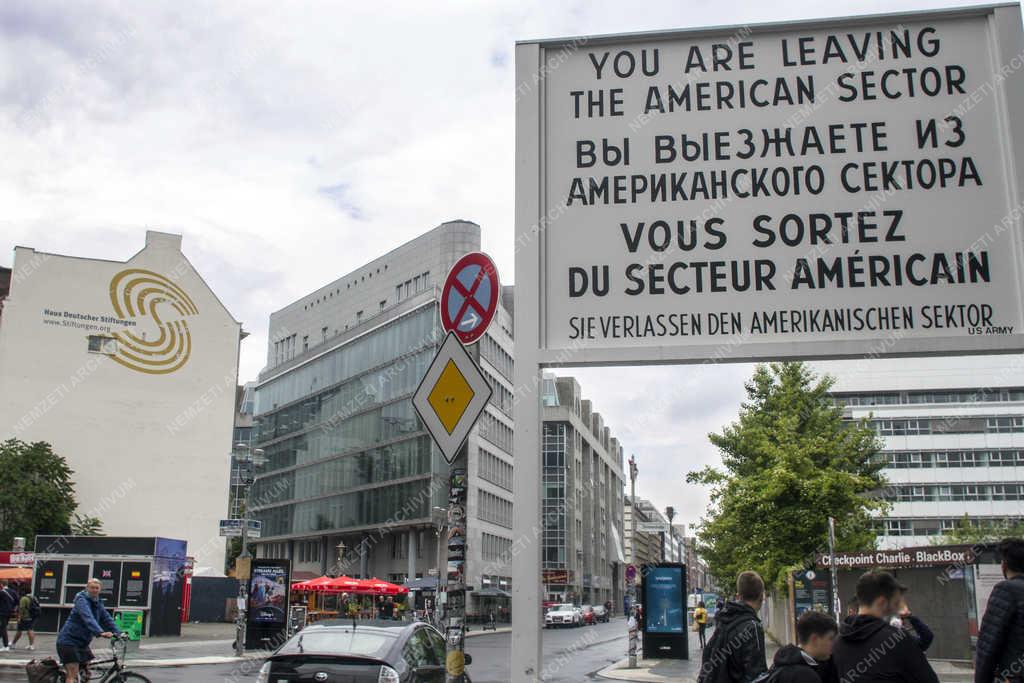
[(588, 608), (340, 641), (563, 608)]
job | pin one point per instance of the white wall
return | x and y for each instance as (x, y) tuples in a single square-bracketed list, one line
[(150, 451)]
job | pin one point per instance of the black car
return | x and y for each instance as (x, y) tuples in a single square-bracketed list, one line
[(342, 651)]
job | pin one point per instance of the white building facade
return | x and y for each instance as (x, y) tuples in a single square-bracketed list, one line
[(128, 369), (953, 447), (353, 479)]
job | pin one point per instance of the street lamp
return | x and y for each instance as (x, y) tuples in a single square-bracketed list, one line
[(670, 512), (255, 457)]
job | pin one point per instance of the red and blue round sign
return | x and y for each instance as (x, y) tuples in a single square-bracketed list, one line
[(469, 297)]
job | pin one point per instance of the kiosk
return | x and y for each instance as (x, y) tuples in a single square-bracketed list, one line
[(138, 574), (663, 591)]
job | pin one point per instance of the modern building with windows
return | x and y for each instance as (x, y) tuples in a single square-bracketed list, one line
[(951, 450), (582, 555), (353, 484), (241, 449), (641, 547), (128, 369)]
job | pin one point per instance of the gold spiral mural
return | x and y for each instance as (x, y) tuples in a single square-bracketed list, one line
[(136, 293)]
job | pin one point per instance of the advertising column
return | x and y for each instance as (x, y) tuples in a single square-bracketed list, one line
[(664, 601)]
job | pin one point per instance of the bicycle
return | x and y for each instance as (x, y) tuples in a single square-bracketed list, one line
[(106, 670)]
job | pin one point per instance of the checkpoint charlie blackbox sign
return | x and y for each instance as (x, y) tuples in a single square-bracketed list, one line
[(822, 188)]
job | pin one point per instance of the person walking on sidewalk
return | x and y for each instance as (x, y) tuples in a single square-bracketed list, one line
[(917, 629), (1000, 651), (29, 610), (700, 617), (8, 605), (735, 653), (811, 661), (869, 649)]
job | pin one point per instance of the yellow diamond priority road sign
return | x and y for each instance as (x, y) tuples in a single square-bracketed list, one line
[(451, 396)]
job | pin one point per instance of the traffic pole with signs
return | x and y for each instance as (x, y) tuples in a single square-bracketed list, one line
[(450, 399)]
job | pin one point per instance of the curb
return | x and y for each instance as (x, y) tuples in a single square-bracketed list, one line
[(608, 671), (158, 663)]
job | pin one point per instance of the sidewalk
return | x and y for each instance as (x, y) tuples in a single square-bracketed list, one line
[(197, 644), (686, 669)]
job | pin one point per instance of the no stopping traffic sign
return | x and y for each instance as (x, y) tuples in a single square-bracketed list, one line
[(469, 297)]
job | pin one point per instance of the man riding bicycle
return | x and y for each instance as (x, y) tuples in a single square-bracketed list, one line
[(88, 619)]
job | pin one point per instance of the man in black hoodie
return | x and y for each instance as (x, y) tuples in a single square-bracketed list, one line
[(735, 653), (808, 663), (869, 650), (1000, 653)]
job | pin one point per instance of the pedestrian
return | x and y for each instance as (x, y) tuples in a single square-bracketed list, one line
[(735, 653), (700, 617), (29, 610), (915, 628), (810, 662), (1000, 651), (852, 607), (869, 649), (8, 606), (381, 607)]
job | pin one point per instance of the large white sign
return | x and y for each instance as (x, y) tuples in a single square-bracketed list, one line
[(819, 189)]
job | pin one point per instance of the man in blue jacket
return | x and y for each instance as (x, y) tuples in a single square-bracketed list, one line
[(88, 619)]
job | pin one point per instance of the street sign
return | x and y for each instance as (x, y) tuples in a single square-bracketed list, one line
[(469, 297), (451, 396), (233, 527), (652, 527)]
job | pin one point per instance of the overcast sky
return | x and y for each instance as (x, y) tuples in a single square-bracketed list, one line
[(290, 143)]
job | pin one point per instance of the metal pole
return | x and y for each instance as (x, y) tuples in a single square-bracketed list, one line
[(631, 623), (243, 584), (836, 606), (455, 633)]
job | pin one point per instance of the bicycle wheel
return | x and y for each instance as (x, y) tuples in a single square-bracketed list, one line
[(129, 676)]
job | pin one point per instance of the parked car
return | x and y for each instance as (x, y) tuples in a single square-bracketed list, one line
[(601, 614), (588, 615), (360, 652), (563, 615)]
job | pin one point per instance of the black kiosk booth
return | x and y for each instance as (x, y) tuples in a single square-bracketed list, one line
[(663, 596), (139, 574)]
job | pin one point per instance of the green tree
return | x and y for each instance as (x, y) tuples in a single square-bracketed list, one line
[(790, 462), (37, 495), (967, 533), (86, 525)]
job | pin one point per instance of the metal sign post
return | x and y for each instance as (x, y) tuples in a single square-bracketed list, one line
[(455, 633), (832, 566)]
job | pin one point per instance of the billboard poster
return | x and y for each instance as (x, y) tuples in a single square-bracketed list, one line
[(134, 584), (268, 593), (109, 574), (812, 591), (49, 576), (664, 600), (167, 586)]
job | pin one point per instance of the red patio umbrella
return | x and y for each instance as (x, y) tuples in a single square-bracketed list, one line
[(343, 584), (311, 584), (378, 587)]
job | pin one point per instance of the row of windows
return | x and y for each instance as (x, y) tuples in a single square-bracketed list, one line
[(502, 582), (945, 492), (501, 397), (412, 286), (555, 537), (982, 395), (393, 421), (308, 551), (495, 431), (382, 385), (949, 425), (935, 527), (349, 285), (284, 349), (407, 334), (495, 470), (409, 500), (493, 509), (495, 548), (395, 461), (498, 357), (966, 458)]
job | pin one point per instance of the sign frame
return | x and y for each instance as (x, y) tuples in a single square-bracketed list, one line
[(535, 215)]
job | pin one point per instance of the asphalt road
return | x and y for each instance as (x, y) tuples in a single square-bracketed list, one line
[(570, 656)]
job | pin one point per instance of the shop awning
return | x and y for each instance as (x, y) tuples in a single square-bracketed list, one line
[(492, 593), (16, 573)]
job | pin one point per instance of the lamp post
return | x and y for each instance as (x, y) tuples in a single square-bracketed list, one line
[(670, 512), (438, 531), (631, 584), (340, 550), (254, 457)]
